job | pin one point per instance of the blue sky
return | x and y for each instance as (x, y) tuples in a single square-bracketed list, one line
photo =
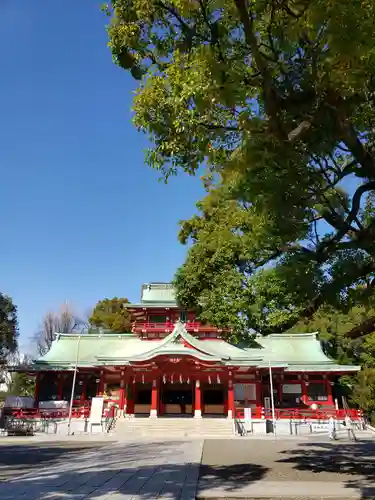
[(82, 217)]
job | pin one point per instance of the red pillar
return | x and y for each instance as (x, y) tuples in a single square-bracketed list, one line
[(125, 398), (280, 391), (225, 402), (101, 384), (304, 392), (60, 386), (130, 397), (258, 395), (37, 389), (330, 401), (198, 401), (122, 397), (154, 398), (84, 389), (230, 399)]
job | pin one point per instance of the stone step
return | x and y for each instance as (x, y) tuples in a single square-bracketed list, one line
[(174, 427), (170, 429)]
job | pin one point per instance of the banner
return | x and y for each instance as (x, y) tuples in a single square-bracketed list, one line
[(96, 411)]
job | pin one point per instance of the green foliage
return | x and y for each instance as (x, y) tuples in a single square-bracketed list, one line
[(8, 327), (21, 385), (333, 326), (110, 314), (363, 393), (277, 100)]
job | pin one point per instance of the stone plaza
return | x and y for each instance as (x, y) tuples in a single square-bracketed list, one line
[(237, 468)]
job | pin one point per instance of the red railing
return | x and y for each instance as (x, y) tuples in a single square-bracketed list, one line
[(78, 411), (301, 414), (37, 413), (168, 327)]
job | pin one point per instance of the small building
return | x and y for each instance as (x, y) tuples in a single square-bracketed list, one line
[(171, 364)]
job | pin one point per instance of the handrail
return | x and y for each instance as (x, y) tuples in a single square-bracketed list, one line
[(80, 410), (170, 326), (302, 413)]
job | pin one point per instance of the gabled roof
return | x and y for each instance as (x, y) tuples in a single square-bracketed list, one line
[(180, 342), (301, 352), (158, 293), (296, 352)]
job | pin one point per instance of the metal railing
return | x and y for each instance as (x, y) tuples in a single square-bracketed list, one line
[(301, 413)]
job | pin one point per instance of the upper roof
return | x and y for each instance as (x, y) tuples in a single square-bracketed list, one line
[(158, 293), (297, 352)]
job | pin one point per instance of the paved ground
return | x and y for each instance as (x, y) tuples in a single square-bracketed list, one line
[(288, 469), (146, 470), (244, 468), (21, 456)]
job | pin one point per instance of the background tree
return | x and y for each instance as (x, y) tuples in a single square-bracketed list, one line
[(110, 314), (277, 100), (363, 392), (21, 384), (14, 383), (8, 328), (333, 326), (63, 321)]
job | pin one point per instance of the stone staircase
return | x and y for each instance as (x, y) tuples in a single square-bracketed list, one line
[(173, 428)]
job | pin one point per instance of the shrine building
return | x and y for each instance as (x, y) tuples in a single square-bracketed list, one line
[(170, 364)]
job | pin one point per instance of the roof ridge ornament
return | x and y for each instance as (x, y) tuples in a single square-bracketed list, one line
[(178, 332)]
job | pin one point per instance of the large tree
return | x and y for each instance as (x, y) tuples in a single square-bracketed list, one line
[(8, 328), (110, 314), (276, 98)]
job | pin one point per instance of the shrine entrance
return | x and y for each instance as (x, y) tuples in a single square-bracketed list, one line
[(177, 399)]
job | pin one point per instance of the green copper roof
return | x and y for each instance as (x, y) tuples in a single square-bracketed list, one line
[(151, 305), (292, 348), (298, 352), (158, 293), (301, 352), (64, 349)]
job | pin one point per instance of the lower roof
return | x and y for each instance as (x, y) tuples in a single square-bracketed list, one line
[(290, 352)]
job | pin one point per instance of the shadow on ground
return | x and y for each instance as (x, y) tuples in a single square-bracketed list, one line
[(153, 469), (222, 467), (20, 458), (354, 463), (116, 470), (231, 465), (230, 477)]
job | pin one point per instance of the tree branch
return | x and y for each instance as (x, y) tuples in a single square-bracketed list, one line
[(269, 93), (295, 15), (320, 299), (350, 138), (214, 36), (184, 26), (211, 126), (356, 205), (365, 328)]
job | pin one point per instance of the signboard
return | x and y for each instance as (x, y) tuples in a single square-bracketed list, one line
[(96, 411), (319, 427), (292, 389), (247, 417)]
